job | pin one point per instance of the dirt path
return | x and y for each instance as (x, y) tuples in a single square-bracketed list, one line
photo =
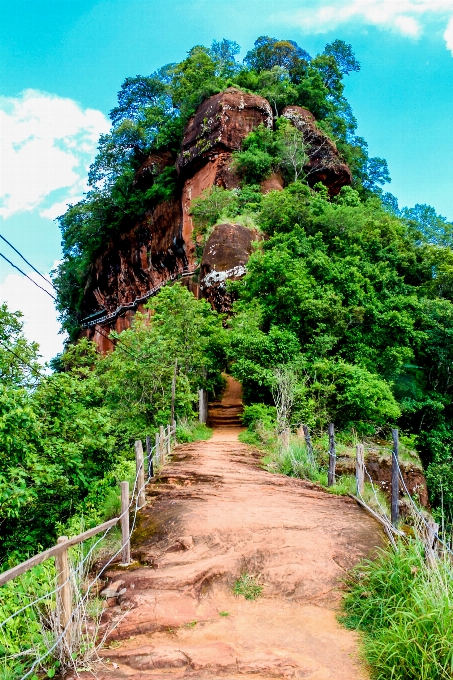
[(213, 514)]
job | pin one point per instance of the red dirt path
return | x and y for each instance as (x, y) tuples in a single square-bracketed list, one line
[(213, 514)]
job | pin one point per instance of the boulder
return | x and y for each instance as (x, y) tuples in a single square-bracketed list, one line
[(273, 183), (325, 164), (219, 125), (225, 256)]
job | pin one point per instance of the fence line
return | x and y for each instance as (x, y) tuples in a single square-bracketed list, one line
[(65, 611), (430, 534)]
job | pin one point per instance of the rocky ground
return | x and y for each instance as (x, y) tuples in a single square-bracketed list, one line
[(212, 515)]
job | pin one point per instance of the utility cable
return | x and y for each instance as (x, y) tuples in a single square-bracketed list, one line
[(55, 299), (28, 277), (29, 263), (22, 361)]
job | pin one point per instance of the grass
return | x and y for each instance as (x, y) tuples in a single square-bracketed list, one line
[(405, 611), (192, 431), (248, 586)]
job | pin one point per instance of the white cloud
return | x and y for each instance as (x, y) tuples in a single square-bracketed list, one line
[(47, 144), (40, 316), (448, 36), (404, 16)]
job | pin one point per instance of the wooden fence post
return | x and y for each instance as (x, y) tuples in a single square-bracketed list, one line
[(125, 539), (308, 443), (64, 596), (173, 394), (168, 440), (360, 469), (157, 450), (331, 475), (162, 444), (149, 456), (431, 531), (202, 405), (140, 467), (395, 481)]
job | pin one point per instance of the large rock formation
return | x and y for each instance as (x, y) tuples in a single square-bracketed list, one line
[(160, 246), (225, 255), (211, 135), (220, 124)]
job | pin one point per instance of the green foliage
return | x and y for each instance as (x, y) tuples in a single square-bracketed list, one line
[(24, 631), (270, 52), (248, 586), (361, 304), (19, 365), (192, 431), (404, 609), (255, 413), (65, 444), (208, 208)]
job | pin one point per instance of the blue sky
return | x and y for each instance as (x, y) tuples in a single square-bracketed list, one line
[(63, 61)]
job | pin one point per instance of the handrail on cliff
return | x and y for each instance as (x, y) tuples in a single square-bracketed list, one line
[(94, 320)]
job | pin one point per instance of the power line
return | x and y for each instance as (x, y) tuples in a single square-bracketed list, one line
[(29, 263), (22, 361), (28, 277), (120, 343)]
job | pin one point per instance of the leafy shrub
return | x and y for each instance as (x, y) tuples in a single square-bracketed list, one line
[(255, 413)]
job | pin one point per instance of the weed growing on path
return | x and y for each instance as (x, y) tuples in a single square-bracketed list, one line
[(248, 586)]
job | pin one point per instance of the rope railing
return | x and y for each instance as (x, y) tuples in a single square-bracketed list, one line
[(138, 300), (68, 588)]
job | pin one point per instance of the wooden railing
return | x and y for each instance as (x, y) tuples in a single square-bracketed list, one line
[(156, 457)]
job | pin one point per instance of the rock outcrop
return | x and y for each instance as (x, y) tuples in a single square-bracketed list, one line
[(225, 255), (220, 124), (325, 163), (211, 135), (161, 244)]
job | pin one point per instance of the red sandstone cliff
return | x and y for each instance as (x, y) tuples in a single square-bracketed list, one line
[(160, 245)]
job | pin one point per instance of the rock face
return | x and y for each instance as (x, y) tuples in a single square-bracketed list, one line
[(217, 129), (325, 163), (220, 124), (224, 258), (161, 244), (154, 164)]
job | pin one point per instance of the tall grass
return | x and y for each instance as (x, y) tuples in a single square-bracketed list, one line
[(405, 610), (192, 431)]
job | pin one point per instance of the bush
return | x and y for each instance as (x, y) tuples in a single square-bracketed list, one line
[(267, 415)]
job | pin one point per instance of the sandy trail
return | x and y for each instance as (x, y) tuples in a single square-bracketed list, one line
[(213, 514)]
